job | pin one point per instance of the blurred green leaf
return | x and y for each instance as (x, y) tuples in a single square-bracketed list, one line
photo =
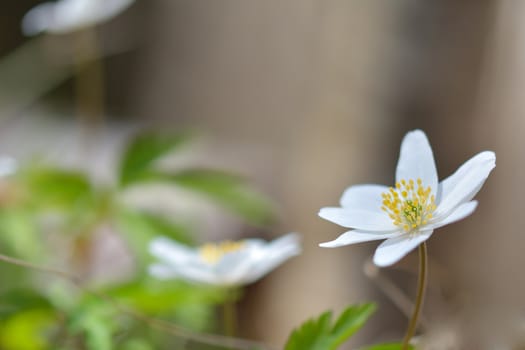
[(27, 330), (18, 232), (136, 344), (319, 334), (58, 187), (228, 190), (139, 228), (18, 300), (389, 346), (66, 196), (164, 297), (187, 304), (94, 321), (143, 151)]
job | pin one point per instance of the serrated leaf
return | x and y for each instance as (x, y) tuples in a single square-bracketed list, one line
[(350, 321), (228, 190), (143, 151), (319, 334)]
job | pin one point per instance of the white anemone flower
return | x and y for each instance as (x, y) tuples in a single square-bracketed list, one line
[(225, 264), (407, 214), (64, 16)]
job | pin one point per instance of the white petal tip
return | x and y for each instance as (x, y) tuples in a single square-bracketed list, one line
[(379, 261), (329, 245), (384, 263)]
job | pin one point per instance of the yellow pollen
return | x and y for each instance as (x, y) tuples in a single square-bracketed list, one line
[(213, 252), (409, 205)]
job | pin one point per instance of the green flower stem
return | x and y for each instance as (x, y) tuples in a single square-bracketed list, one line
[(229, 314), (422, 282)]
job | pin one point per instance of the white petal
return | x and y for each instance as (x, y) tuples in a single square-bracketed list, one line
[(359, 219), (275, 253), (288, 241), (67, 15), (461, 212), (394, 249), (356, 236), (172, 252), (37, 19), (463, 185), (202, 274), (417, 161), (233, 268), (192, 273), (367, 197)]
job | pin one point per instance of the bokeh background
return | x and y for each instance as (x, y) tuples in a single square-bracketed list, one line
[(304, 98)]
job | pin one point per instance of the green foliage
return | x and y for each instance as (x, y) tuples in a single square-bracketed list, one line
[(53, 187), (226, 189), (94, 322), (48, 210), (19, 234), (143, 151), (389, 346), (321, 334), (27, 329)]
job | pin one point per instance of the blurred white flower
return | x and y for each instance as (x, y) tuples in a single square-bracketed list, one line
[(222, 264), (8, 166), (64, 16), (407, 214)]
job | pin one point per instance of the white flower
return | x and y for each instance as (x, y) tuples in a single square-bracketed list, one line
[(64, 16), (407, 214), (223, 264)]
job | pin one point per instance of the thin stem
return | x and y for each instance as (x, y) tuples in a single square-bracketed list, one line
[(229, 316), (422, 281), (168, 327), (89, 84)]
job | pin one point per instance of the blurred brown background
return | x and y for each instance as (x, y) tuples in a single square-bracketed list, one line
[(307, 98)]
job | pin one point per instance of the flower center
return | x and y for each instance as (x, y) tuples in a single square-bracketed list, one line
[(409, 206), (213, 252)]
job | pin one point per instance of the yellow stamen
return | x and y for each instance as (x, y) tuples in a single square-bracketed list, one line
[(213, 252), (409, 205)]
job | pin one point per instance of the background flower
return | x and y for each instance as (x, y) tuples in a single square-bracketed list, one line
[(67, 15), (223, 264)]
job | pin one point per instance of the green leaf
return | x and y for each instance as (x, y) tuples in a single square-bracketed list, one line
[(389, 346), (94, 320), (58, 187), (319, 334), (228, 190), (155, 297), (143, 151), (137, 344), (19, 234), (188, 304), (18, 300), (27, 329)]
